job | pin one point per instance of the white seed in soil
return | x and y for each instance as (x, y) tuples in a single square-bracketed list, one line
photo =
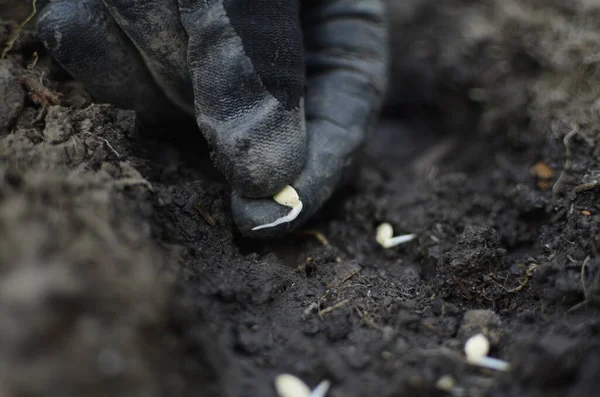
[(290, 386), (476, 350), (385, 238), (476, 347)]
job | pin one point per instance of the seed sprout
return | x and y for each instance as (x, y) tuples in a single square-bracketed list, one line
[(476, 350), (290, 386), (289, 198), (385, 237)]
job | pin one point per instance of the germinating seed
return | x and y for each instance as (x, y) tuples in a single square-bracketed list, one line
[(290, 386), (290, 198), (476, 350), (385, 239), (477, 347)]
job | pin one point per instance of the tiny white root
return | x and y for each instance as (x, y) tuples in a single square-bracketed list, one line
[(385, 237), (293, 214), (476, 350), (321, 389), (492, 363), (288, 197), (290, 386)]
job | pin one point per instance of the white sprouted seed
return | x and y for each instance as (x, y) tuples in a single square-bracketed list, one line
[(288, 197), (476, 350), (385, 238), (290, 386)]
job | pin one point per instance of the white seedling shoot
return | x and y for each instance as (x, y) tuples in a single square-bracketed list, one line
[(288, 197), (476, 350), (290, 386), (385, 237)]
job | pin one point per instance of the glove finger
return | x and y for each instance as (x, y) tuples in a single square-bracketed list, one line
[(155, 29), (83, 37), (246, 63), (323, 170), (346, 62)]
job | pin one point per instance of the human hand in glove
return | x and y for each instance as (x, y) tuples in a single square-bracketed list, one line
[(284, 91)]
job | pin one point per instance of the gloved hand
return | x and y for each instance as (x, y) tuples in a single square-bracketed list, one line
[(283, 92)]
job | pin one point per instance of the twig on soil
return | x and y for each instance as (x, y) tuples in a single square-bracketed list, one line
[(367, 319), (106, 142), (584, 187), (208, 218), (313, 233), (13, 38), (496, 280), (348, 277), (34, 62), (110, 147), (33, 81), (583, 287), (321, 300), (332, 308), (577, 306), (528, 275), (567, 164), (463, 288)]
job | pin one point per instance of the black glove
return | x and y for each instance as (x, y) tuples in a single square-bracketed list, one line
[(283, 92)]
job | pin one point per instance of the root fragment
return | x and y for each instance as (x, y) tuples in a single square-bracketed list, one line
[(15, 36)]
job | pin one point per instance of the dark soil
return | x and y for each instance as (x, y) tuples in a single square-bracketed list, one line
[(122, 274)]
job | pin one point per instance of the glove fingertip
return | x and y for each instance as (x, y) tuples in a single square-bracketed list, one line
[(248, 214), (55, 21)]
